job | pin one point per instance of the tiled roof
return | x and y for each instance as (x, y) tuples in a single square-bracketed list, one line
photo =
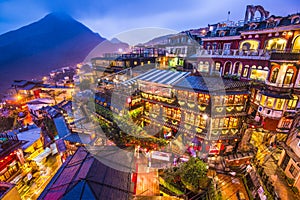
[(85, 177), (210, 84)]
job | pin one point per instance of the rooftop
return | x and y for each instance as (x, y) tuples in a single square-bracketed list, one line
[(84, 176), (4, 188), (211, 84), (164, 77)]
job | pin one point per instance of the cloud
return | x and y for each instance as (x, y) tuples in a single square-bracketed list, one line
[(111, 17)]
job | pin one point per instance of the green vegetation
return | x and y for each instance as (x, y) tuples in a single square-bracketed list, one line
[(191, 175), (170, 187), (124, 132), (194, 174), (247, 189)]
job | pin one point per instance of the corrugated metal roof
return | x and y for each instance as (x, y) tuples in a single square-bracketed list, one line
[(165, 77), (61, 127)]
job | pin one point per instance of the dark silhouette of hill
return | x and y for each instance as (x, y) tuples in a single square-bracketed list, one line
[(34, 50)]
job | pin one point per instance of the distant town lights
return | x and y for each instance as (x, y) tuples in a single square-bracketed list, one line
[(19, 97)]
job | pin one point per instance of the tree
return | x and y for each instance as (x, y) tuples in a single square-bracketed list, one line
[(191, 174), (194, 174)]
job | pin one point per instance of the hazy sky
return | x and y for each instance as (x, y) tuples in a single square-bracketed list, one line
[(111, 17)]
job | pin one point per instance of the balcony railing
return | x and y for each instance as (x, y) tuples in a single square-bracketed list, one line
[(260, 54), (292, 55), (282, 85)]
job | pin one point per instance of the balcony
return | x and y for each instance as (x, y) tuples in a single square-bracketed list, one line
[(290, 55), (279, 85), (259, 54)]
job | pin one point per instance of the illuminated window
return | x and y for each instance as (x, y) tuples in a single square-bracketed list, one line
[(249, 45), (229, 99), (296, 46), (217, 67), (221, 123), (276, 44), (203, 67), (226, 123), (274, 75), (218, 100), (288, 76), (192, 96), (235, 122), (263, 100), (237, 69), (257, 98), (292, 103), (246, 70), (270, 102), (238, 99), (258, 74), (215, 123), (279, 104), (149, 62)]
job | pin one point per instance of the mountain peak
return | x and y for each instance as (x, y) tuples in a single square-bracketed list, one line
[(58, 15)]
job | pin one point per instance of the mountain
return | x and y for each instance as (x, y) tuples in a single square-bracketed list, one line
[(114, 46), (158, 40), (34, 50)]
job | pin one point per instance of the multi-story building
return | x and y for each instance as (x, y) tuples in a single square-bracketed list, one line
[(179, 105), (290, 156), (264, 51)]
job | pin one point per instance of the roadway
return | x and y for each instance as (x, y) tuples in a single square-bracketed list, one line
[(38, 183)]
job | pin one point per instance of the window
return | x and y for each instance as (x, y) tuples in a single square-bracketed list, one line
[(288, 76), (263, 100), (258, 74), (229, 99), (285, 162), (217, 67), (286, 123), (258, 98), (279, 104), (293, 170), (249, 45), (238, 99), (218, 100), (277, 44), (246, 70), (203, 67), (296, 45), (270, 102), (292, 103), (274, 75)]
